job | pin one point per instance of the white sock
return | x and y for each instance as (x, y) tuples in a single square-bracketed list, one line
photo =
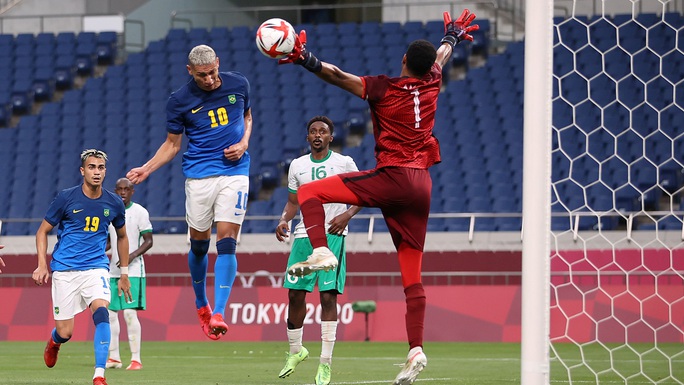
[(134, 333), (99, 372), (328, 336), (115, 330), (294, 337)]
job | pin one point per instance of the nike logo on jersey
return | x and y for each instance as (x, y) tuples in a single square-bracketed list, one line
[(224, 287), (302, 173), (200, 281), (76, 211), (327, 282), (195, 110), (237, 214)]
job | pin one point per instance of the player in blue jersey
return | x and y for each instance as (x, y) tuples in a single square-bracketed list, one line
[(80, 267), (213, 110)]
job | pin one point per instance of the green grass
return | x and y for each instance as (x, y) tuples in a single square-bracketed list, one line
[(357, 363)]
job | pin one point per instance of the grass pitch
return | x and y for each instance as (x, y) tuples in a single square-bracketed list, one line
[(354, 363), (245, 363)]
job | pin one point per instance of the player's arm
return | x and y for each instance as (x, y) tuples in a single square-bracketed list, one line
[(122, 249), (235, 151), (146, 245), (42, 273), (2, 263), (455, 32), (289, 212), (166, 152), (345, 80), (326, 71)]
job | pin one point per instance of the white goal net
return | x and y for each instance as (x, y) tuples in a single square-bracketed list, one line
[(617, 262)]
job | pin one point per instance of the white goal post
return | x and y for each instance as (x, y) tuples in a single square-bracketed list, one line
[(536, 199), (610, 310)]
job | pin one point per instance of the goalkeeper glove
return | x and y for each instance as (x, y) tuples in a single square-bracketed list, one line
[(301, 56), (458, 30)]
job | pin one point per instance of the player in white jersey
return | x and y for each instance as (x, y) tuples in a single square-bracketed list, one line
[(139, 230), (320, 163)]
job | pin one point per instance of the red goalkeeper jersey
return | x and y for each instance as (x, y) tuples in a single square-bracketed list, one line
[(403, 115)]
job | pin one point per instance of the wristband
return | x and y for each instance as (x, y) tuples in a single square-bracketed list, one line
[(124, 270), (311, 63), (451, 39)]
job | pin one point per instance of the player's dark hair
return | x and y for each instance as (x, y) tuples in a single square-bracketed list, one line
[(324, 119), (420, 56), (92, 152)]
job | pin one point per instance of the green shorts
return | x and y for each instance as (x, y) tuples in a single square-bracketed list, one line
[(118, 302), (327, 280)]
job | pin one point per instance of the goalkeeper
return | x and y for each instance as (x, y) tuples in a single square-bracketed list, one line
[(403, 112)]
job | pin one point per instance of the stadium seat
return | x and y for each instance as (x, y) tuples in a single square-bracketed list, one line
[(176, 36), (64, 72), (270, 175), (22, 97), (347, 28), (84, 65), (198, 36), (5, 113), (217, 34), (43, 86), (105, 53)]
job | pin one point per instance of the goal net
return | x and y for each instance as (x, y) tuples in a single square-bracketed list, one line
[(617, 156)]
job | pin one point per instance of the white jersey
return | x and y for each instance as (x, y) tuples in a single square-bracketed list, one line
[(305, 169), (137, 224)]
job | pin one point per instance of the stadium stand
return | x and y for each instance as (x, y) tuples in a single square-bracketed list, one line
[(123, 113)]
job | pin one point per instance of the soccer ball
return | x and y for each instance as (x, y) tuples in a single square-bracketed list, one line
[(275, 38)]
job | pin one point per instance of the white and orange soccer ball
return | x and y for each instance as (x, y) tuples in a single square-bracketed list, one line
[(275, 38)]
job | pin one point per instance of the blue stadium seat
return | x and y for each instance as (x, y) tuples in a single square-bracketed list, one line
[(22, 96), (673, 19), (347, 28), (508, 224), (5, 113), (176, 35), (24, 39), (217, 34), (198, 36), (66, 38), (45, 39), (43, 86), (85, 65), (107, 37), (368, 28), (64, 72), (105, 53), (270, 175)]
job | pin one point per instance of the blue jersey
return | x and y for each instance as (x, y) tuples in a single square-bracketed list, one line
[(83, 228), (212, 121)]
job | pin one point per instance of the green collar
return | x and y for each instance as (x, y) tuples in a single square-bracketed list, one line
[(322, 160)]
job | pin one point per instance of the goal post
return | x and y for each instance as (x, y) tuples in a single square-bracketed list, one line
[(536, 197), (603, 195)]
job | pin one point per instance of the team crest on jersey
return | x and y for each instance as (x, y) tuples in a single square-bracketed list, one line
[(232, 99), (56, 309), (106, 212)]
